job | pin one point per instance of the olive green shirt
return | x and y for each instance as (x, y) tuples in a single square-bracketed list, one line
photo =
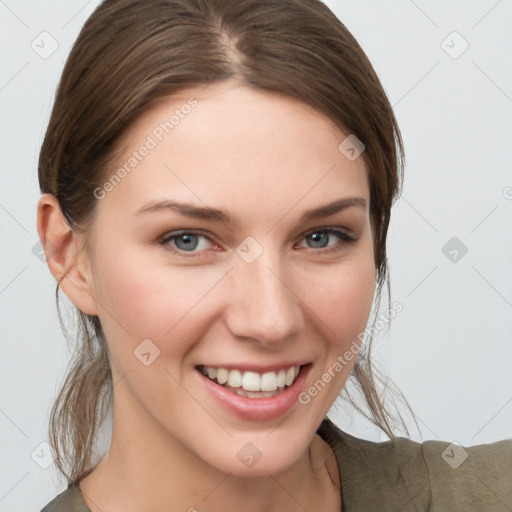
[(400, 475)]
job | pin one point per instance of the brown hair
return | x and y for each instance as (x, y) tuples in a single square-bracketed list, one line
[(129, 55)]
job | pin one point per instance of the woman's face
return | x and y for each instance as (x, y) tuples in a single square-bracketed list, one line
[(240, 273)]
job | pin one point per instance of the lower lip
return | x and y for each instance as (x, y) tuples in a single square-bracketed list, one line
[(258, 409)]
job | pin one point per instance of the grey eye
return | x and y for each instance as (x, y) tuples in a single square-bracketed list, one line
[(186, 242)]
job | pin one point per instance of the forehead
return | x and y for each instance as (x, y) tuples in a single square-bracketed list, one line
[(232, 144)]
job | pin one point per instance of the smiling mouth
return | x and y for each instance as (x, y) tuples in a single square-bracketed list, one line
[(252, 384)]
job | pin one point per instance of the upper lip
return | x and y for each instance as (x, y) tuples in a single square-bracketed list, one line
[(249, 367)]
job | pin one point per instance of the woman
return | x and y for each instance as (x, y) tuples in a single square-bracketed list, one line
[(217, 180)]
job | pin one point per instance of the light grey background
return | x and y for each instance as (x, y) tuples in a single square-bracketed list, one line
[(450, 348)]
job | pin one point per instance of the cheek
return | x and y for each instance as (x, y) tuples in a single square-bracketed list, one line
[(141, 300), (342, 298)]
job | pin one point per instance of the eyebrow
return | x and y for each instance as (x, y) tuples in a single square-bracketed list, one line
[(219, 215)]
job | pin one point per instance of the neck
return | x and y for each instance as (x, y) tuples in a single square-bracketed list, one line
[(147, 469)]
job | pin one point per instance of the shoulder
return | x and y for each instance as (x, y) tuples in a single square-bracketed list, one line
[(472, 478), (69, 500), (433, 476)]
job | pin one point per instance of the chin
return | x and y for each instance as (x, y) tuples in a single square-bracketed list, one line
[(248, 460)]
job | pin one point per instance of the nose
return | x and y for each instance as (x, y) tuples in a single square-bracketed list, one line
[(262, 303)]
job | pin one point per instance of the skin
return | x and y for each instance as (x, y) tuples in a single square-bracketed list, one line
[(266, 159)]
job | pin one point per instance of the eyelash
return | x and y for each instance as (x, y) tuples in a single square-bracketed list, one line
[(345, 237)]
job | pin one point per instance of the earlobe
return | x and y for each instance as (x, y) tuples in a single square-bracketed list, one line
[(67, 262)]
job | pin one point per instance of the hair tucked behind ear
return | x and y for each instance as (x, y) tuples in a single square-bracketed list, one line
[(82, 404), (129, 55)]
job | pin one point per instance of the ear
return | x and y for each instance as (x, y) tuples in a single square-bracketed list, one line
[(64, 256)]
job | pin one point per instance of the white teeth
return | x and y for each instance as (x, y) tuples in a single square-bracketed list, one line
[(235, 379), (258, 394), (222, 375), (253, 381), (290, 376), (269, 381), (281, 379)]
